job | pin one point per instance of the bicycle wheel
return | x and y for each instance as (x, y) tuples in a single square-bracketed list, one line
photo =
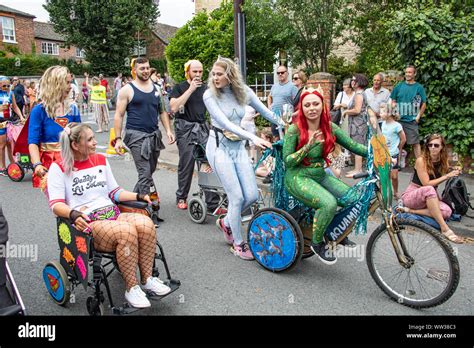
[(433, 274)]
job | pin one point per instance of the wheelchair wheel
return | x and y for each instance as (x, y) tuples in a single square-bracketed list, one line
[(15, 172), (57, 282), (197, 210), (275, 239), (94, 307)]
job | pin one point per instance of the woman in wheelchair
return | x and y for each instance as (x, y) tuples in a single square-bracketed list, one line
[(307, 145), (82, 188)]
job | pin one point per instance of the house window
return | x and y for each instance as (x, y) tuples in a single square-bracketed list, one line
[(80, 53), (50, 48), (8, 28)]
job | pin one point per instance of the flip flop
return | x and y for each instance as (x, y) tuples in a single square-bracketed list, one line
[(452, 237)]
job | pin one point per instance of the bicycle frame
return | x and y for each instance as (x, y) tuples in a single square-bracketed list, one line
[(389, 221)]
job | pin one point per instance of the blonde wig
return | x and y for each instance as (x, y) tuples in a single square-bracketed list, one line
[(233, 75), (53, 85)]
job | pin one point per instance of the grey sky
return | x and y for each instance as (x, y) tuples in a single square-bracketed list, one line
[(173, 12)]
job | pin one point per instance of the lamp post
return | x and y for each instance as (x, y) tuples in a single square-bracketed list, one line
[(239, 37)]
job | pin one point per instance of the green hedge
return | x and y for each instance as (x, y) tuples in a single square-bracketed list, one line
[(30, 65), (440, 42)]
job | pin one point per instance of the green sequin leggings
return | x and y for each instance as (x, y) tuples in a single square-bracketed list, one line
[(318, 190)]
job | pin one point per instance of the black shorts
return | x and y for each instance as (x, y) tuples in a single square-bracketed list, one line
[(411, 132)]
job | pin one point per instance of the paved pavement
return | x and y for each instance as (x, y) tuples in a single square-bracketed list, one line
[(214, 282)]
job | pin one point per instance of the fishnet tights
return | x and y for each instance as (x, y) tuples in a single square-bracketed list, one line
[(133, 239)]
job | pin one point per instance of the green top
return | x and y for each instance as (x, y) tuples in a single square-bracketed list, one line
[(314, 152)]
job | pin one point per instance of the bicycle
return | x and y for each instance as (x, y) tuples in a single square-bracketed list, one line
[(409, 260)]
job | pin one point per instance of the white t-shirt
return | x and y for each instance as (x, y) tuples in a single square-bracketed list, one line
[(90, 186), (345, 98)]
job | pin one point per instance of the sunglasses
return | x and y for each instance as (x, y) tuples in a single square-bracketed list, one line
[(5, 86), (295, 78), (434, 145), (281, 72)]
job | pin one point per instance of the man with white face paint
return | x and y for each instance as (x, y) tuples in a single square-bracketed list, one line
[(142, 136), (190, 126)]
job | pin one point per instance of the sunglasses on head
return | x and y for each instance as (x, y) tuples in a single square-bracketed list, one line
[(434, 145), (281, 72)]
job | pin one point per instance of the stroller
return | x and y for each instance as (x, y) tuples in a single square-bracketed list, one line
[(17, 134), (209, 182), (10, 299)]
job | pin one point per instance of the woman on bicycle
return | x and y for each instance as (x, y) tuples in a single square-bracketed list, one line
[(225, 100), (82, 188), (307, 145), (421, 196)]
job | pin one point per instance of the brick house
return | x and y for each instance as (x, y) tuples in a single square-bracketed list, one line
[(153, 46), (50, 43), (22, 32), (17, 29)]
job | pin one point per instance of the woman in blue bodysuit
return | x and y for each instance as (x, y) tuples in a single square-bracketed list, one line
[(225, 100)]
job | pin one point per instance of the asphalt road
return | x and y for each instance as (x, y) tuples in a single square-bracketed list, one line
[(214, 282)]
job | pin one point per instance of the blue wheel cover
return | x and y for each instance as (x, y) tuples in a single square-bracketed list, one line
[(273, 241), (54, 283)]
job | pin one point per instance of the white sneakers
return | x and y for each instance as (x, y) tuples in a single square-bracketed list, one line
[(156, 286), (137, 297)]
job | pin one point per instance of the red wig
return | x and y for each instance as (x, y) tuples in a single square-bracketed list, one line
[(324, 126)]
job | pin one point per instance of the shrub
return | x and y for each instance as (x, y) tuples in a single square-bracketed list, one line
[(439, 42)]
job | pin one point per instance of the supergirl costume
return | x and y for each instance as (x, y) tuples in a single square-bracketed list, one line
[(44, 131)]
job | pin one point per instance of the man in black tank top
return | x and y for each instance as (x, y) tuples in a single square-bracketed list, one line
[(142, 101), (190, 126)]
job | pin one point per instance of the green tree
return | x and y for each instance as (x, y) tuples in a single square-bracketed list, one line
[(439, 41), (203, 38), (105, 29), (267, 33), (316, 24), (369, 25), (207, 36)]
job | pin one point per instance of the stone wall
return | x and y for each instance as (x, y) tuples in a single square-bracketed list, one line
[(206, 5)]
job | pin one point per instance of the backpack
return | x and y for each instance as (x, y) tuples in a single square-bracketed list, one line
[(456, 196)]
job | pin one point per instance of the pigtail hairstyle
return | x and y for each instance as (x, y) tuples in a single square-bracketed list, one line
[(73, 132), (325, 126)]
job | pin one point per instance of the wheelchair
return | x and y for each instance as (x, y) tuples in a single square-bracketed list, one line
[(210, 183), (62, 277)]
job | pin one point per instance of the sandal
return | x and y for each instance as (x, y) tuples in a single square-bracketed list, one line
[(452, 237), (182, 204)]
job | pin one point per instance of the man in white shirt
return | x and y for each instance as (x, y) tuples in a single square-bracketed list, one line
[(377, 94)]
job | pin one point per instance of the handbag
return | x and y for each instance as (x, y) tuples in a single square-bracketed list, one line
[(336, 115)]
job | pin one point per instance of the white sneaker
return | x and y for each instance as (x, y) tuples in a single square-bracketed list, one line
[(156, 286), (137, 298)]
